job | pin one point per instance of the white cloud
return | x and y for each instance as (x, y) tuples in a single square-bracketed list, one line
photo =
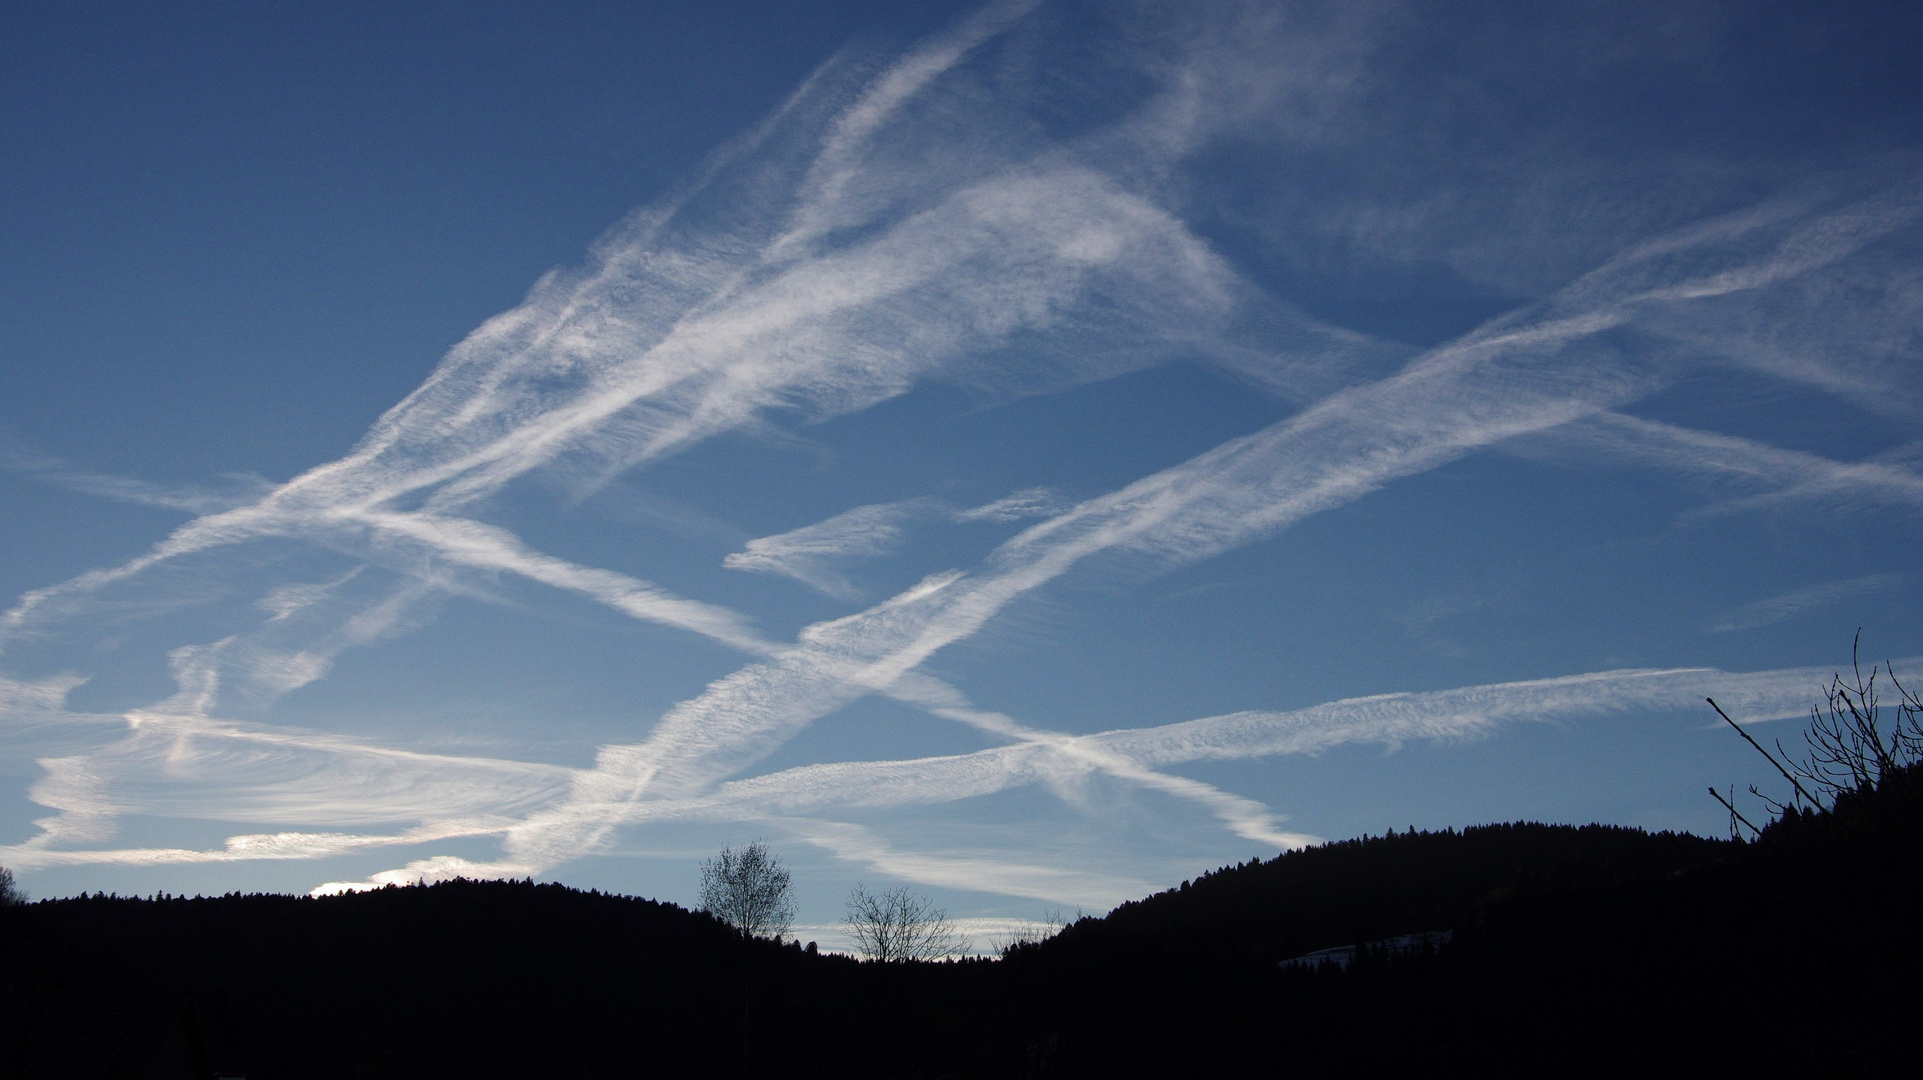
[(36, 696), (808, 553), (462, 797), (284, 600), (1744, 473), (1775, 609), (174, 760), (238, 490), (1035, 502), (1385, 719), (423, 872), (262, 846)]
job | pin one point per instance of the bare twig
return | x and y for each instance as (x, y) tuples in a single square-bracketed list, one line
[(1759, 749), (1734, 817)]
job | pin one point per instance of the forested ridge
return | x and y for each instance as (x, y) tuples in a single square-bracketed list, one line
[(1547, 947)]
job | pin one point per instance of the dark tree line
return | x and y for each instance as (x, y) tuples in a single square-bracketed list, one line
[(1570, 949)]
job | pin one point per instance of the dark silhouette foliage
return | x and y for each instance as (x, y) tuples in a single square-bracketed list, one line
[(457, 979), (749, 890)]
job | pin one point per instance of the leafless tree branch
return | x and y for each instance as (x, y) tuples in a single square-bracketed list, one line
[(898, 925), (748, 890)]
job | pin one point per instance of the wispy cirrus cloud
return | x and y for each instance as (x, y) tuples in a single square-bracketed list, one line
[(284, 600), (1037, 502), (1782, 606), (279, 846), (1744, 473), (809, 554), (1382, 719), (35, 696), (238, 490), (441, 787)]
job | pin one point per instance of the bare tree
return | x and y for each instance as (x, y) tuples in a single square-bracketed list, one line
[(10, 893), (1031, 934), (900, 925), (749, 890), (1852, 746)]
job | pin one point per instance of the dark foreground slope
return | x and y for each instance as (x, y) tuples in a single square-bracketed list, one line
[(1567, 950), (463, 979), (1597, 950)]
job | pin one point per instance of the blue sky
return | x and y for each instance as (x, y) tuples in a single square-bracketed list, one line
[(1036, 452)]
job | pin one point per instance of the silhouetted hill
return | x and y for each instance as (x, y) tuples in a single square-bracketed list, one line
[(1377, 887), (457, 979), (1598, 949), (1554, 949)]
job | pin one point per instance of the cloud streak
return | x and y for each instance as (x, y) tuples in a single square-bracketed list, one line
[(1382, 719), (238, 491), (1747, 475), (1775, 609), (808, 554), (454, 792)]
